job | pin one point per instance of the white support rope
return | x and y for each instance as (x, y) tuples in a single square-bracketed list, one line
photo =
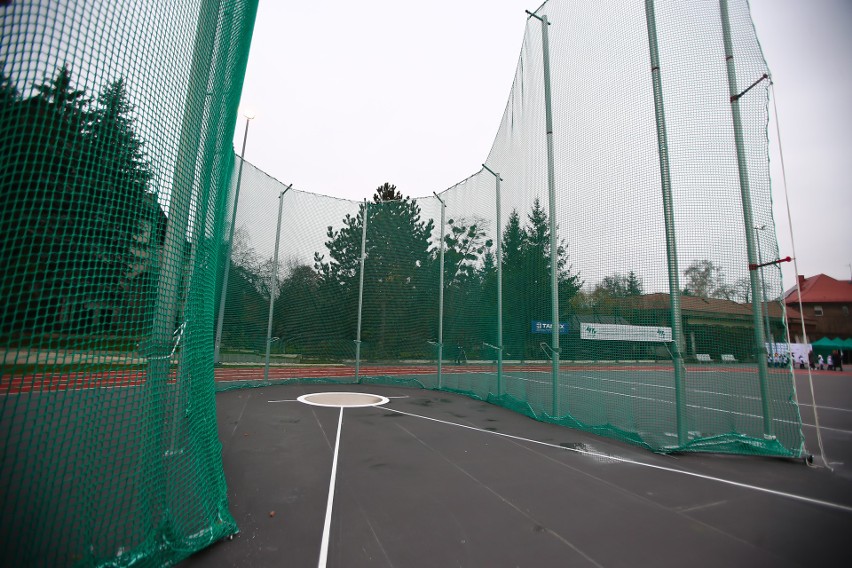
[(798, 288)]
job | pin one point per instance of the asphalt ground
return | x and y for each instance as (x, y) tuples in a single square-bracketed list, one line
[(438, 479)]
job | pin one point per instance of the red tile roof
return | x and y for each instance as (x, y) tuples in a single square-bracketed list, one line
[(821, 289)]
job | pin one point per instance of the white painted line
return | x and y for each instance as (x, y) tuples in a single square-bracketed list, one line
[(661, 401), (284, 400), (323, 559), (827, 407), (821, 427), (802, 498)]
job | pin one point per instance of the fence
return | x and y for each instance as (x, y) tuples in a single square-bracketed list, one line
[(628, 198), (115, 125), (616, 247)]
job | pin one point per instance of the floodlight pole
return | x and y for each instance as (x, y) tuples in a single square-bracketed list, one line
[(748, 220), (497, 180), (441, 296), (229, 248), (361, 290), (273, 281), (678, 339), (551, 192)]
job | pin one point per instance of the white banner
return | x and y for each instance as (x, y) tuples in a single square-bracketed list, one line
[(613, 332)]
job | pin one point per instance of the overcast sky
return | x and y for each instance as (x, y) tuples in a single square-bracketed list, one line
[(349, 95)]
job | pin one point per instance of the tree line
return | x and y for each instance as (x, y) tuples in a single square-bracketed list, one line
[(317, 308), (80, 226)]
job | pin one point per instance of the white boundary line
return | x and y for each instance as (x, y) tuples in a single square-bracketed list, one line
[(802, 498), (323, 559)]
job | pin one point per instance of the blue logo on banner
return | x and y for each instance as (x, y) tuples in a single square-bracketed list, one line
[(547, 327)]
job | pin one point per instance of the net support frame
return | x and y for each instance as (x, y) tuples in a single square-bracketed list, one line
[(171, 256), (217, 358), (273, 282), (748, 219), (362, 261), (668, 220), (551, 200), (497, 180), (764, 307), (441, 295)]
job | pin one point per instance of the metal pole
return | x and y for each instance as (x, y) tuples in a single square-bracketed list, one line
[(764, 309), (273, 282), (221, 319), (361, 291), (498, 179), (678, 339), (551, 193), (441, 297), (748, 220), (171, 259)]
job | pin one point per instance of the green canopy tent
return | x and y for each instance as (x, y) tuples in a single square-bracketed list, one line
[(825, 346)]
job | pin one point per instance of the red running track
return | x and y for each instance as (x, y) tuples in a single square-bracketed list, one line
[(80, 380)]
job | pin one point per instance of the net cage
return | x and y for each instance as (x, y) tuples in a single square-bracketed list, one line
[(116, 121), (601, 270), (655, 211)]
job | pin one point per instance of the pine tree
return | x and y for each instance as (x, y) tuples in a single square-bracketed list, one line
[(398, 274)]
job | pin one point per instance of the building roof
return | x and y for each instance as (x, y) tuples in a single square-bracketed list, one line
[(820, 289), (710, 306)]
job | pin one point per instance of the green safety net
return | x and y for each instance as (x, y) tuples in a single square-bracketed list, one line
[(116, 121), (667, 327)]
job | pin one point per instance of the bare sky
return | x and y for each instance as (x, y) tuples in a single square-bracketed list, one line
[(349, 95)]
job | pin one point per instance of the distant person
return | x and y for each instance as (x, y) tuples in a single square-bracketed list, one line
[(820, 362), (829, 363), (801, 363), (460, 354), (839, 361), (811, 360)]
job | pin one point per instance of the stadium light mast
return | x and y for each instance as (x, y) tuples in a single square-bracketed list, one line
[(748, 219), (678, 340), (249, 116), (551, 194), (273, 282)]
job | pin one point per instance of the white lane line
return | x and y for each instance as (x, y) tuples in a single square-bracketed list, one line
[(661, 401), (323, 559), (793, 496), (826, 407), (821, 427)]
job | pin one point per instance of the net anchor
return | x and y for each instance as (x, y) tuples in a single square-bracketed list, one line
[(176, 337), (549, 350)]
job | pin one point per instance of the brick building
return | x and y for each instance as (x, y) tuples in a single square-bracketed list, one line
[(827, 303)]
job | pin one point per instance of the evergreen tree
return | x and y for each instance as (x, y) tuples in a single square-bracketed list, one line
[(527, 258), (74, 222), (620, 286), (397, 276)]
